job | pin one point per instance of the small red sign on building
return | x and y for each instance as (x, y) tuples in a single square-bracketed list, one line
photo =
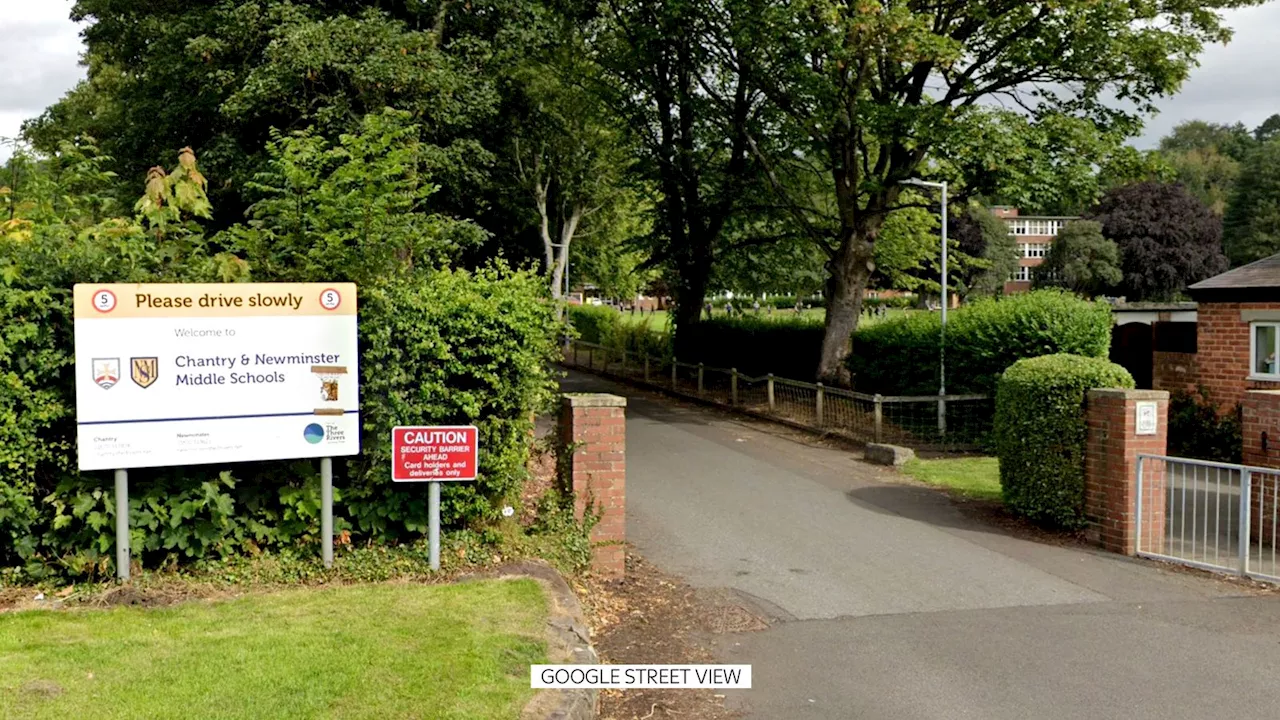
[(434, 453)]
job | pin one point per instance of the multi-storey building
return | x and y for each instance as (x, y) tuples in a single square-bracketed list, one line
[(1034, 234)]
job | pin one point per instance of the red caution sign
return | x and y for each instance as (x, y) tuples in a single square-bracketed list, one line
[(434, 453)]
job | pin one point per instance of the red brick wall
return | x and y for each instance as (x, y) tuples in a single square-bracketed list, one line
[(1111, 464), (594, 427), (1222, 340), (1260, 412), (1174, 371)]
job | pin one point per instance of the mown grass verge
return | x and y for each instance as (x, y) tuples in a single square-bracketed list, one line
[(363, 651), (973, 477)]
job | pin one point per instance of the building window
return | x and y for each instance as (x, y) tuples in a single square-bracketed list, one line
[(1265, 350), (1023, 275), (1034, 250)]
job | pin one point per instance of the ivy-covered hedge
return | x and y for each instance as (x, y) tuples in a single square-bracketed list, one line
[(900, 356), (1040, 433)]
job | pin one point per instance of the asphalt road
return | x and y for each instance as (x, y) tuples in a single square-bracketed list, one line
[(888, 602)]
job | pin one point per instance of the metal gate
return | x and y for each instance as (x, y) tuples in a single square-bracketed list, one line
[(1211, 515)]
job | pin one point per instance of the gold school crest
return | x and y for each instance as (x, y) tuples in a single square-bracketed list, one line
[(144, 370)]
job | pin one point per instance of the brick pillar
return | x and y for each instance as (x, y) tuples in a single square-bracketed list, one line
[(1259, 414), (1111, 470), (593, 427)]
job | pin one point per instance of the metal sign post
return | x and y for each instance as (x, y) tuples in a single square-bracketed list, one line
[(434, 454), (326, 510), (122, 524), (433, 524)]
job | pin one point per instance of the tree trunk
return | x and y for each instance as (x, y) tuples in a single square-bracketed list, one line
[(690, 296), (561, 254), (850, 268)]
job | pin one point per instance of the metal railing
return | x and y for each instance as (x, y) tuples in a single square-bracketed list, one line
[(949, 423), (1211, 515)]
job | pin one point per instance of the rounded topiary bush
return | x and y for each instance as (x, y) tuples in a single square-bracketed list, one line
[(1040, 433)]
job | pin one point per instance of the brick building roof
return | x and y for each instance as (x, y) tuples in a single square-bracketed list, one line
[(1258, 281)]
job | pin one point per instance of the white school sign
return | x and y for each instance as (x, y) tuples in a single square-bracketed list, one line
[(216, 373)]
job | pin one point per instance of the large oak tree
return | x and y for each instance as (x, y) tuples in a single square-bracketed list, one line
[(871, 89)]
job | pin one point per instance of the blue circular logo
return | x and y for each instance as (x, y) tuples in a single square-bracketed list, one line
[(313, 433)]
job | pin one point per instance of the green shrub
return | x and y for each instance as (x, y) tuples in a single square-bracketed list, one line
[(447, 347), (593, 322), (1040, 433), (900, 356), (437, 347), (1196, 430), (784, 344), (606, 326), (453, 348)]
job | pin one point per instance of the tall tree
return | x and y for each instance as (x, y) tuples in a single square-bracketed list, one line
[(571, 159), (689, 109), (870, 89), (980, 234), (1234, 141), (1206, 158), (1080, 260), (1167, 238), (1268, 129), (220, 76), (1252, 226)]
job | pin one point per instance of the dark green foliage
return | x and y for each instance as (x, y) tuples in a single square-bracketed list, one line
[(1080, 260), (982, 235), (1167, 238), (900, 356), (449, 348), (606, 326), (779, 302), (438, 347), (1251, 229), (1040, 434), (784, 344), (900, 302), (1197, 430), (593, 322)]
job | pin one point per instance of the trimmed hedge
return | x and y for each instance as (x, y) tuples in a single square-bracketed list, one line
[(1040, 434), (606, 326), (784, 344), (900, 356), (593, 322)]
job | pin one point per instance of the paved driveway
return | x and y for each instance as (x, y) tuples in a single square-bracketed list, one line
[(890, 603)]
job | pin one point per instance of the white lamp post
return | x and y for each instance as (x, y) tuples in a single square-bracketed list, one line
[(942, 350)]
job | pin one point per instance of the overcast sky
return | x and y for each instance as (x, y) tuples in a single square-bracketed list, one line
[(40, 47)]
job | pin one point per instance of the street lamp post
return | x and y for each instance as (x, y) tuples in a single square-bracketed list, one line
[(942, 349)]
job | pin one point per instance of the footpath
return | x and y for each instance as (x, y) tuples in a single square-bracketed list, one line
[(880, 599)]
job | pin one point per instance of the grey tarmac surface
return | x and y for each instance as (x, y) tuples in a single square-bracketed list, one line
[(887, 602)]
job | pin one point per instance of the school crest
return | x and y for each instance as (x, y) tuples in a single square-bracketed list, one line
[(106, 372), (144, 370)]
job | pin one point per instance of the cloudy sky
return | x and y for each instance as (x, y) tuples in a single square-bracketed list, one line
[(40, 47)]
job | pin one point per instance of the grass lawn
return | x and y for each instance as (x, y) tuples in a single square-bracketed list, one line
[(371, 651), (975, 477)]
